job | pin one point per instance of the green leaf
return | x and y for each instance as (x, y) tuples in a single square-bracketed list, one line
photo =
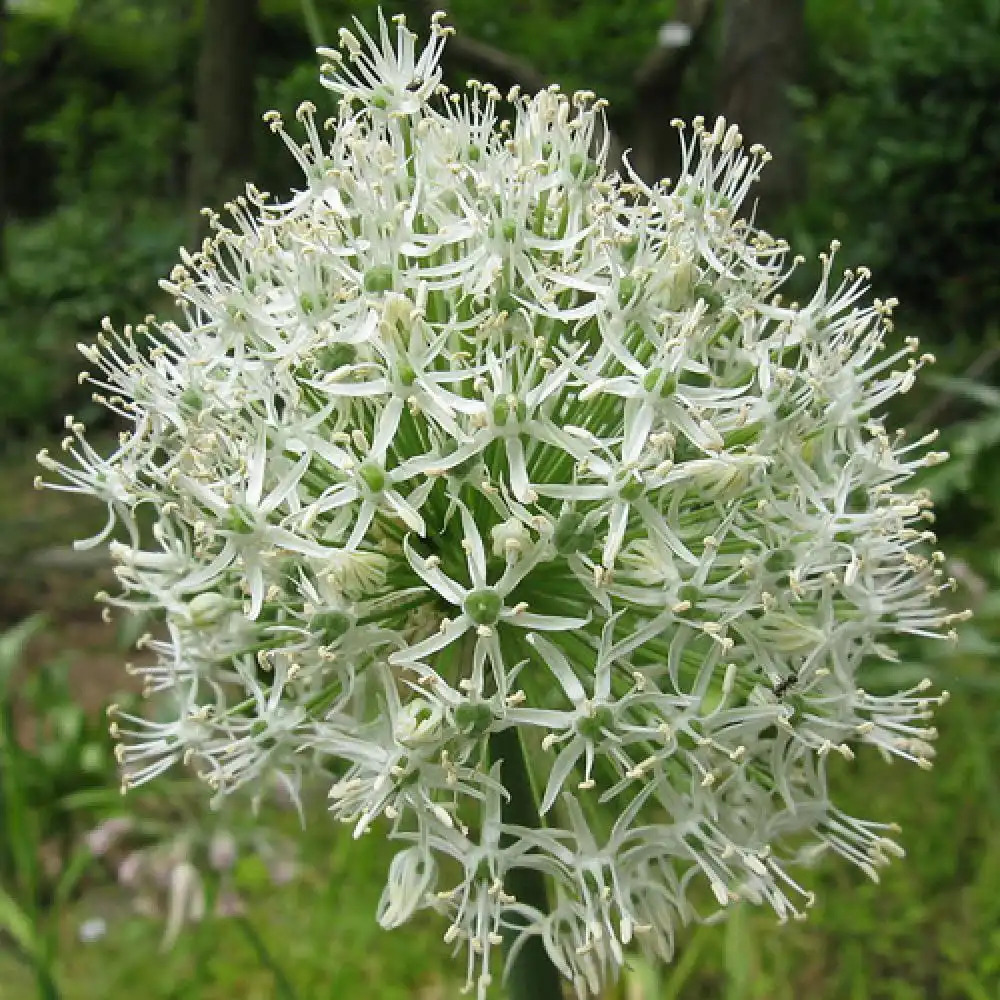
[(74, 870), (18, 925), (251, 874), (12, 645), (966, 388), (686, 964)]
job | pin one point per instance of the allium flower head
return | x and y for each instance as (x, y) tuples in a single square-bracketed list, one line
[(470, 437)]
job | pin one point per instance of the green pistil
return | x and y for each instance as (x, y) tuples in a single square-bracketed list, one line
[(709, 294), (690, 593), (483, 606), (626, 291), (591, 727), (657, 380), (336, 356), (373, 475), (191, 400), (473, 718), (583, 168), (378, 279), (507, 303), (633, 490), (240, 519)]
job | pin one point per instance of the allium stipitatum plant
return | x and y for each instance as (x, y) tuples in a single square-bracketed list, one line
[(510, 493)]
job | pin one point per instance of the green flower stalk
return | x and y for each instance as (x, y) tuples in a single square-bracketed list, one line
[(474, 466)]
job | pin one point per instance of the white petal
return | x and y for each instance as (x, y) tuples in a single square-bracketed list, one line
[(407, 513), (362, 525), (475, 553), (559, 773), (617, 523), (388, 424), (439, 640), (255, 469), (545, 623), (556, 661), (433, 577), (518, 469)]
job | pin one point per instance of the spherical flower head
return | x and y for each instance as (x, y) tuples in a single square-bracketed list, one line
[(472, 437)]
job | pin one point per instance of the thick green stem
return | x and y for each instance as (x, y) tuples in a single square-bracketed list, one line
[(531, 974)]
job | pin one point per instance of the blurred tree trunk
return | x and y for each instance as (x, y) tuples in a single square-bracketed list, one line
[(222, 157), (3, 138), (658, 82), (763, 45)]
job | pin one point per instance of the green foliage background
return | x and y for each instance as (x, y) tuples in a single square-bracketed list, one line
[(899, 126)]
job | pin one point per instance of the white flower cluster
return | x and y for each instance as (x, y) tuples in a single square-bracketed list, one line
[(473, 437)]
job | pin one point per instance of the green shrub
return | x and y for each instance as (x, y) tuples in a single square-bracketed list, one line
[(903, 132), (92, 257)]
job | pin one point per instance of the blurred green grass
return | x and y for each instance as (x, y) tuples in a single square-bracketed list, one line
[(320, 931), (931, 929)]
